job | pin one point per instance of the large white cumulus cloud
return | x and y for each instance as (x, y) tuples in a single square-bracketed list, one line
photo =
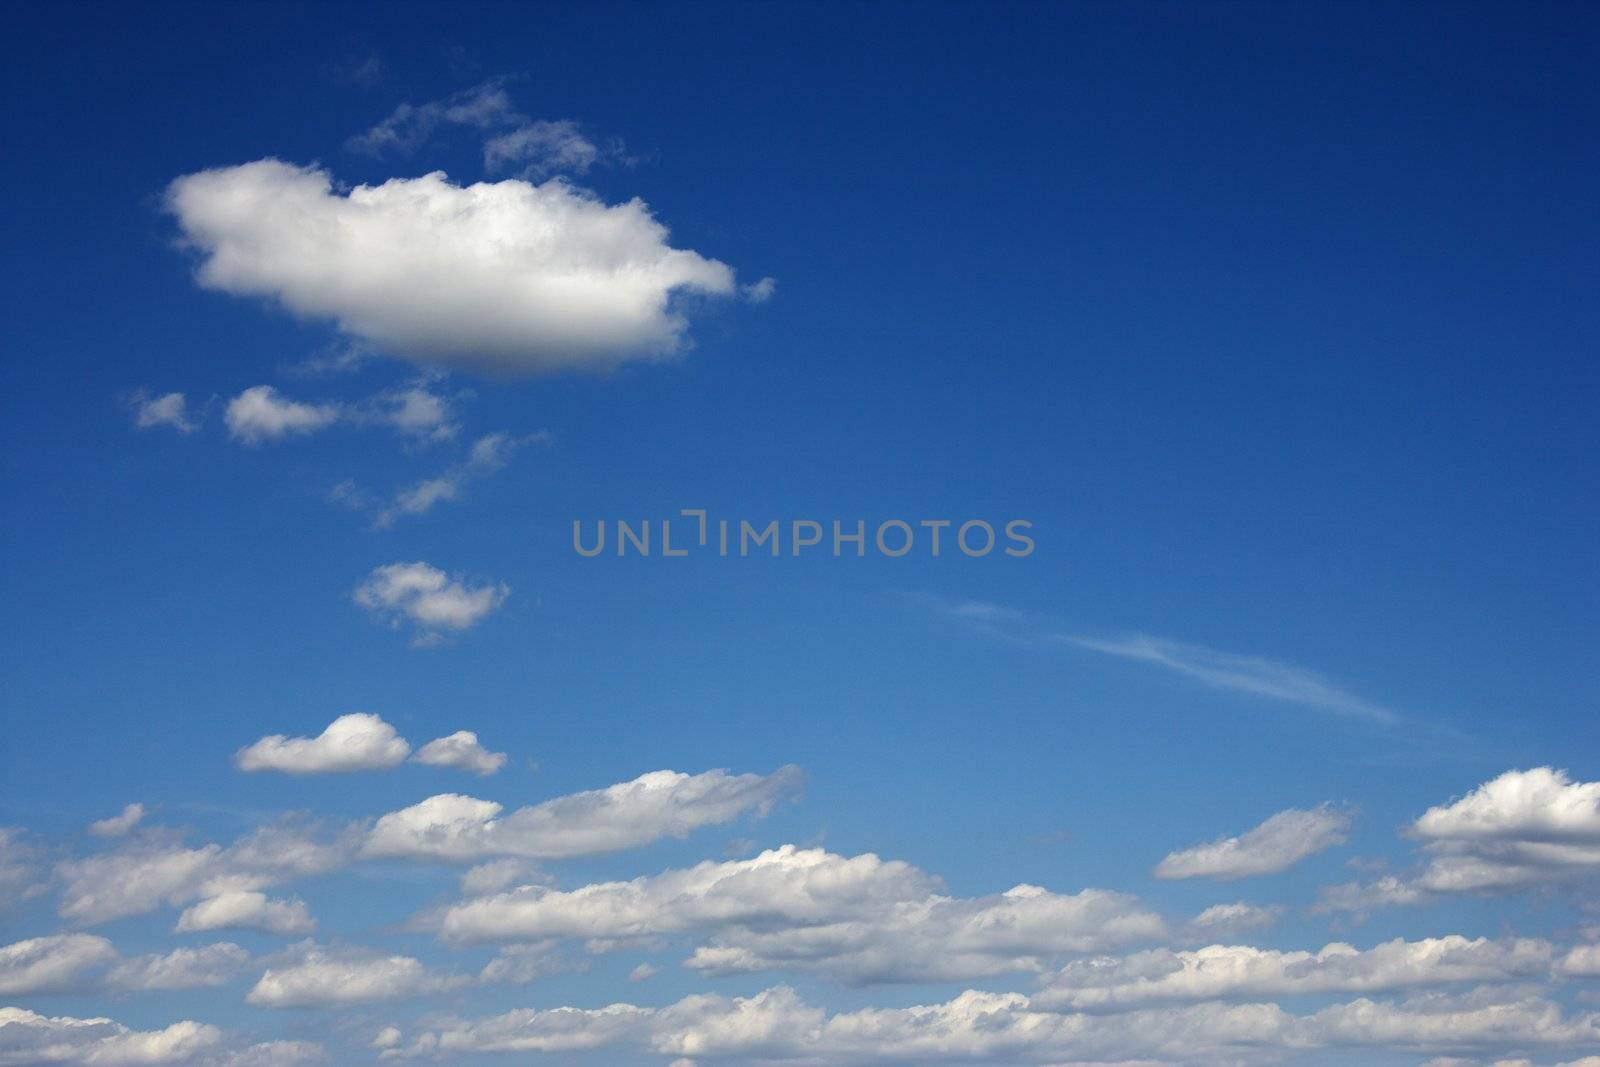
[(505, 277)]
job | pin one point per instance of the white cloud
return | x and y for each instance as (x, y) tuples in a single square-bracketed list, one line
[(1521, 828), (416, 412), (1581, 962), (183, 968), (1276, 845), (119, 824), (534, 148), (432, 601), (487, 455), (508, 278), (357, 742), (248, 910), (522, 964), (496, 875), (1256, 675), (52, 964), (461, 750), (261, 413), (1220, 920), (157, 871), (409, 126), (1541, 804), (419, 499), (312, 976), (760, 292), (1240, 971), (84, 963), (1250, 674), (29, 1038), (660, 804), (1360, 898), (19, 869), (861, 919), (168, 409), (539, 148), (777, 1027), (275, 1054)]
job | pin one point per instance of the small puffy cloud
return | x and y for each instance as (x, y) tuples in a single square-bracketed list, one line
[(642, 973), (416, 412), (120, 824), (507, 278), (312, 976), (760, 292), (460, 750), (1276, 845), (419, 499), (358, 742), (660, 804), (168, 409), (248, 910), (427, 597), (261, 414), (1240, 971)]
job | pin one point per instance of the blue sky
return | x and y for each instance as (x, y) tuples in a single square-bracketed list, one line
[(1276, 322)]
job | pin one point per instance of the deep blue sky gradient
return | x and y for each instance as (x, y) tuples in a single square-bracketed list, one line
[(1278, 321)]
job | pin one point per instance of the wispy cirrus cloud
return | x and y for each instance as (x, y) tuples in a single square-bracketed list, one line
[(1249, 674), (487, 455), (531, 148), (1257, 675)]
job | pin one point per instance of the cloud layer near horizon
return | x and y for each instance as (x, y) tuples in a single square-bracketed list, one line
[(1108, 978)]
